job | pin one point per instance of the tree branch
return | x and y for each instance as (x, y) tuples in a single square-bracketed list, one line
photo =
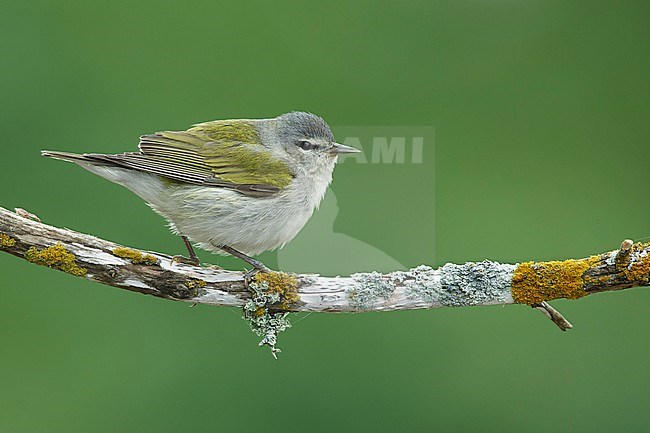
[(481, 283)]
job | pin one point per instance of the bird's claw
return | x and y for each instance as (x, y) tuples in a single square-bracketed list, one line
[(186, 261), (248, 276)]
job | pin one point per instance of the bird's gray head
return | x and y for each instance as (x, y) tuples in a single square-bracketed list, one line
[(300, 126), (308, 140)]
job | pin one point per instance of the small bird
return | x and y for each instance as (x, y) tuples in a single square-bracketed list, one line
[(239, 187)]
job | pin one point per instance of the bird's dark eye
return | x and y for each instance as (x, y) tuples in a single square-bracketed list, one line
[(306, 145)]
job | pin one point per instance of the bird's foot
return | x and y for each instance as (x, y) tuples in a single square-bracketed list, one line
[(256, 270), (256, 264), (191, 261)]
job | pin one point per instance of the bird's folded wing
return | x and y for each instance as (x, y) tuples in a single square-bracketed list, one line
[(204, 159)]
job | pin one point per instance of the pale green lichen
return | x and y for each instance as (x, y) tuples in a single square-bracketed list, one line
[(57, 257), (135, 256), (7, 241), (272, 294), (421, 282), (475, 283), (369, 288)]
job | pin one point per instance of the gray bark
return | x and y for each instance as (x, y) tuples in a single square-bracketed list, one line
[(482, 283)]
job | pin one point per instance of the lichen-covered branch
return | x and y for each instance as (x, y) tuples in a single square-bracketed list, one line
[(481, 283)]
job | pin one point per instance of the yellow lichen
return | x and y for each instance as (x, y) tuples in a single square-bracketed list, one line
[(136, 257), (6, 241), (57, 257), (633, 265), (602, 280), (285, 285), (639, 270), (543, 281), (534, 282), (196, 284)]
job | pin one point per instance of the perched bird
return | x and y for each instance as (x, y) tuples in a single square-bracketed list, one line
[(240, 186)]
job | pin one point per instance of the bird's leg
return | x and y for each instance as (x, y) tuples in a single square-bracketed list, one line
[(193, 259), (256, 264), (190, 250)]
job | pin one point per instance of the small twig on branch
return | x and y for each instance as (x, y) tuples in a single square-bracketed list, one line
[(480, 283), (554, 315)]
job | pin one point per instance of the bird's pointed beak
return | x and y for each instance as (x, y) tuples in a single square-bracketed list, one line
[(337, 149)]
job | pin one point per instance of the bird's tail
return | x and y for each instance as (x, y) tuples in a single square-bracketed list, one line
[(145, 185), (66, 156)]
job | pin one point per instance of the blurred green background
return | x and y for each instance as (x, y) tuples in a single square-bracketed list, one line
[(540, 110)]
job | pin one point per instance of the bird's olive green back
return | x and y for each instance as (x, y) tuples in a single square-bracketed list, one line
[(218, 153), (233, 152)]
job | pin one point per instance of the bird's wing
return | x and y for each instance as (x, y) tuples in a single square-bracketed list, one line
[(220, 154)]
